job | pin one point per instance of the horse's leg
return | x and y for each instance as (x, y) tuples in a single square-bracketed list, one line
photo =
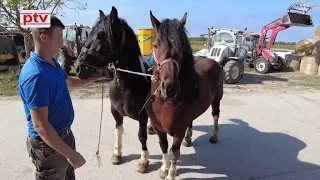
[(117, 153), (216, 114), (163, 141), (187, 138), (174, 156), (150, 128), (144, 160)]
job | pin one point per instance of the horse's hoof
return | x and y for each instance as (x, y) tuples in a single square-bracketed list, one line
[(116, 159), (142, 167), (163, 174), (186, 143), (213, 139), (150, 130), (170, 178)]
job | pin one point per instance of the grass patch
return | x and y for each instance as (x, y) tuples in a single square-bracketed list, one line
[(284, 46), (294, 78), (197, 45), (9, 83), (311, 81)]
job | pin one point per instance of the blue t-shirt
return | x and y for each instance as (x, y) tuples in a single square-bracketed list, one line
[(41, 84), (152, 61)]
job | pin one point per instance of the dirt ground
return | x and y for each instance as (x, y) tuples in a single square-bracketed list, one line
[(284, 82), (261, 136), (252, 83), (257, 141)]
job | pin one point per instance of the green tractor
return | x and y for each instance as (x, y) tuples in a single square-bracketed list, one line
[(74, 36)]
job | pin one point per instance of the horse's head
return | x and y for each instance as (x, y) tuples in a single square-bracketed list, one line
[(170, 47), (103, 46)]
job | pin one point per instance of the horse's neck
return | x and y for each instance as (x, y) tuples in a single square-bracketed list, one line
[(188, 79), (131, 64)]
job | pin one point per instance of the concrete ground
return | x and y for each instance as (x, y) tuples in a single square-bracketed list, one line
[(274, 137)]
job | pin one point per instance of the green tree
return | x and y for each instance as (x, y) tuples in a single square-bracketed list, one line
[(10, 14)]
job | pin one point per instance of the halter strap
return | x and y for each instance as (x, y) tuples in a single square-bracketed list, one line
[(93, 53), (164, 61)]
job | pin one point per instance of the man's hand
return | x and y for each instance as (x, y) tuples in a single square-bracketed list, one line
[(50, 136), (76, 160)]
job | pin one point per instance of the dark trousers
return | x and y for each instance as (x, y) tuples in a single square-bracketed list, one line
[(51, 165)]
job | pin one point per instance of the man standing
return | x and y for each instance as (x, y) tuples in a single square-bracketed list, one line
[(43, 87)]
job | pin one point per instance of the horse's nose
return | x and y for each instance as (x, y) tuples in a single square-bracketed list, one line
[(81, 72)]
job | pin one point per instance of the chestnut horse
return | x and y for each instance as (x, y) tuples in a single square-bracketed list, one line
[(183, 89)]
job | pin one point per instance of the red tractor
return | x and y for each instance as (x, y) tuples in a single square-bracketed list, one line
[(261, 57), (74, 38)]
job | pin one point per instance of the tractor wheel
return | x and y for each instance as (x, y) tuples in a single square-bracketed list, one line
[(233, 72), (64, 60), (278, 67), (262, 65)]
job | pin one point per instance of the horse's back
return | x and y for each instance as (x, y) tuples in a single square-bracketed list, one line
[(205, 65)]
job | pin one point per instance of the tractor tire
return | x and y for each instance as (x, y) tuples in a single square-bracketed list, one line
[(233, 72), (262, 65), (279, 67), (64, 60)]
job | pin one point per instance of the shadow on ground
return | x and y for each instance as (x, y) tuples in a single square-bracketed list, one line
[(242, 153), (259, 78)]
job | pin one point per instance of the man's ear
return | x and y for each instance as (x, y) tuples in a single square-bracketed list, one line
[(43, 37)]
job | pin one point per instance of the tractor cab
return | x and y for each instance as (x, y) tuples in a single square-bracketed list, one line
[(232, 39), (74, 36), (227, 47)]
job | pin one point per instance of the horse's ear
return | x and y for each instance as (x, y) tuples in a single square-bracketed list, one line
[(184, 19), (113, 14), (101, 13), (155, 22)]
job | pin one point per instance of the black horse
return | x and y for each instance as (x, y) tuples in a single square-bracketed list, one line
[(112, 41)]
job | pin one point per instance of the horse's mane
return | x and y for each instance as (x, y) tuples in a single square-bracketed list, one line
[(128, 41), (173, 36)]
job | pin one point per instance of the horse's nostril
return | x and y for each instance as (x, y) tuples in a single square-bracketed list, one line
[(163, 86)]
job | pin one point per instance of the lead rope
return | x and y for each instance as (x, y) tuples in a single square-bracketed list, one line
[(98, 153)]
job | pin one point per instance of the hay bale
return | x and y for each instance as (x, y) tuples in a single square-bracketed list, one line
[(309, 65), (305, 47), (292, 62), (317, 34), (316, 49)]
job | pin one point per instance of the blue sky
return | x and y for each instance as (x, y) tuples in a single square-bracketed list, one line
[(235, 14)]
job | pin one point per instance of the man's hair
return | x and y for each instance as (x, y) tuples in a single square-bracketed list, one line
[(55, 22)]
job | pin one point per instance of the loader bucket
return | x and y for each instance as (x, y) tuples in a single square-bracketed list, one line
[(297, 19)]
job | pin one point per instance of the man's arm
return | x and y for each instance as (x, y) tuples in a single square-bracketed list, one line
[(48, 133), (37, 99), (36, 93), (75, 82)]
